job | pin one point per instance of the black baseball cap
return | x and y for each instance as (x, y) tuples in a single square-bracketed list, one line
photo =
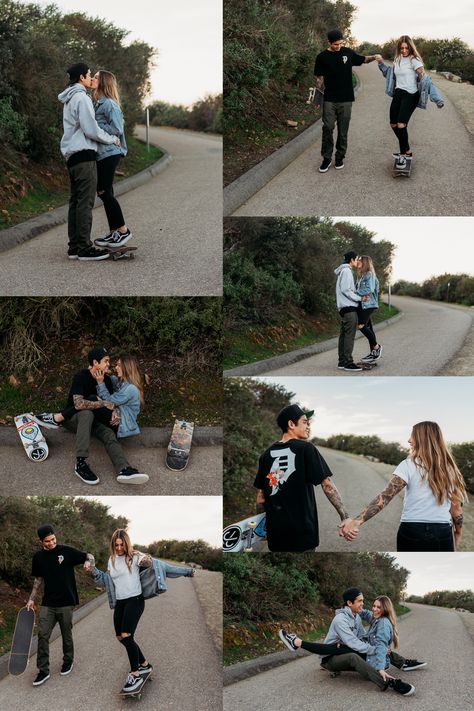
[(334, 36), (293, 413), (350, 255), (96, 354)]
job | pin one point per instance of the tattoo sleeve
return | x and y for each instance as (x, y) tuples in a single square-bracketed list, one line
[(36, 586), (394, 486), (320, 83), (81, 404), (335, 498), (458, 521)]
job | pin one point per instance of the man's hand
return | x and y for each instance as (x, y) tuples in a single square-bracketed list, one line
[(115, 419), (87, 566), (378, 58), (30, 605), (349, 529)]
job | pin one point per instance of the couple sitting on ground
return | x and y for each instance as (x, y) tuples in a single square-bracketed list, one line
[(106, 407), (349, 647)]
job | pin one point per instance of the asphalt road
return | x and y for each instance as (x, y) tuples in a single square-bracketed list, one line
[(21, 477), (435, 635), (422, 342), (172, 634), (442, 181), (176, 219)]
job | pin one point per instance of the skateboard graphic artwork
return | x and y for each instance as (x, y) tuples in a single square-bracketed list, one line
[(32, 438), (177, 456), (21, 643), (249, 534), (138, 693), (404, 171)]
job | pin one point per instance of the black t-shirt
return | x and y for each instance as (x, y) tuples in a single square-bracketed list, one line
[(336, 68), (84, 384), (287, 475), (56, 567)]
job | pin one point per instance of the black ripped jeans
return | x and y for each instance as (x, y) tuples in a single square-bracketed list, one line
[(105, 179)]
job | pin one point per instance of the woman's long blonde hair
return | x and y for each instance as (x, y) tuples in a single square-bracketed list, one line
[(430, 454), (367, 265), (388, 611), (128, 550), (131, 373), (107, 86), (412, 50)]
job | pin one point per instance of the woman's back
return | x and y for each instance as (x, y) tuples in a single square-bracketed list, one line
[(420, 504)]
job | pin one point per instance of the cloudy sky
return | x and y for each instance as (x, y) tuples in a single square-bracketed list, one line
[(437, 571), (187, 34), (426, 246), (387, 407), (153, 518), (379, 21)]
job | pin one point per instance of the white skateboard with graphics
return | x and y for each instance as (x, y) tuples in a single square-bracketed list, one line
[(32, 438), (249, 534)]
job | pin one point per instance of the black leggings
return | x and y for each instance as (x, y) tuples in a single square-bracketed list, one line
[(363, 317), (127, 614), (329, 649), (105, 177), (402, 107)]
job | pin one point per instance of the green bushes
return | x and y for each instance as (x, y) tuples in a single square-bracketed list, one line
[(453, 288), (443, 55), (464, 456), (203, 115), (368, 445), (446, 598), (198, 552)]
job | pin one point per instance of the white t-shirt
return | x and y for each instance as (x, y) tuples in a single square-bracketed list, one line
[(405, 73), (420, 504), (126, 582)]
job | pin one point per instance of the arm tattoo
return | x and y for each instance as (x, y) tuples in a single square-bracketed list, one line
[(36, 586), (320, 83), (458, 521), (369, 59), (81, 404), (335, 498), (394, 486)]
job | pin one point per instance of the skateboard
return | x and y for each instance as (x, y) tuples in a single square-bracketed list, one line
[(177, 456), (21, 642), (138, 693), (406, 171), (316, 96), (124, 252), (32, 438), (367, 366), (244, 535)]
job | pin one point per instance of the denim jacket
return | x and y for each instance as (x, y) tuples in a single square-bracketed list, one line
[(347, 628), (427, 89), (380, 636), (109, 116), (368, 285), (127, 397), (162, 570)]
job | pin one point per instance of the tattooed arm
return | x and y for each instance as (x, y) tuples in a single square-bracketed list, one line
[(80, 403), (36, 586), (456, 513), (394, 486), (335, 498)]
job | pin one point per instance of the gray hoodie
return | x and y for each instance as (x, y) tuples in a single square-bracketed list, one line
[(348, 629), (81, 130), (346, 294)]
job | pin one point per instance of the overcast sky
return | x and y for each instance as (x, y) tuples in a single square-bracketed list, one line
[(154, 518), (379, 20), (387, 407), (187, 34), (437, 571), (426, 246)]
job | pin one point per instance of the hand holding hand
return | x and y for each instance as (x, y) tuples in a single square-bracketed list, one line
[(349, 529), (378, 58), (87, 566)]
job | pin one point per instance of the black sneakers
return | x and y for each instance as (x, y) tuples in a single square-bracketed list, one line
[(339, 163), (401, 687), (41, 678), (130, 475), (411, 664), (84, 472), (288, 639), (72, 254), (325, 165), (132, 684), (66, 668), (353, 367), (46, 419), (114, 239), (92, 255), (143, 671)]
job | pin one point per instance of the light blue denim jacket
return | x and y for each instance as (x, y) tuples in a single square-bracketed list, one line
[(162, 570), (380, 636), (348, 629), (127, 397), (427, 89), (368, 285), (109, 116)]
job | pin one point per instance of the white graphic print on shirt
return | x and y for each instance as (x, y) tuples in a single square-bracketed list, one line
[(282, 468)]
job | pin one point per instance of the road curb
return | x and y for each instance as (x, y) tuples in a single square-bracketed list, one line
[(280, 361), (13, 236), (149, 437), (245, 186), (78, 615)]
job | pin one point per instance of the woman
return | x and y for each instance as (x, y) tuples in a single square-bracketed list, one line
[(368, 287), (409, 87), (109, 116), (124, 588), (435, 492)]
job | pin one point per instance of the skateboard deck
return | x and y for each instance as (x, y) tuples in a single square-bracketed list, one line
[(405, 172), (124, 252), (367, 366), (138, 693), (245, 535), (315, 96), (177, 456), (21, 642), (32, 438)]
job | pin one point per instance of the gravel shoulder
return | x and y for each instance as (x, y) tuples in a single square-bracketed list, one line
[(209, 589)]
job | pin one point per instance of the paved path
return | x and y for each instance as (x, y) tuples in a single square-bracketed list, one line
[(176, 218), (426, 338), (433, 634), (172, 634), (21, 477), (442, 181)]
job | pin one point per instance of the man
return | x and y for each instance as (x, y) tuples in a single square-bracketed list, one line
[(54, 565), (347, 300), (333, 71), (347, 629), (79, 143), (287, 474), (91, 417)]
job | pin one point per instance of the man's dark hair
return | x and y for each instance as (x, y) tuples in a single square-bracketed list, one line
[(349, 256), (334, 36), (76, 71), (350, 594), (45, 530)]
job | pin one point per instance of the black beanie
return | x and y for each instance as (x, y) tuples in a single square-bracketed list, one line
[(45, 530), (334, 36), (351, 594), (76, 71), (349, 255)]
